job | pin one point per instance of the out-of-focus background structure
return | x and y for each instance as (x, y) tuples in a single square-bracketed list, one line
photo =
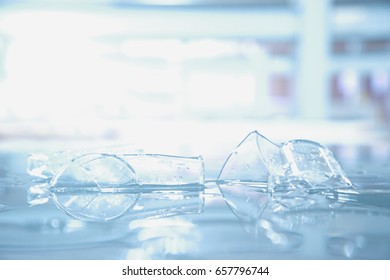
[(194, 77), (203, 72)]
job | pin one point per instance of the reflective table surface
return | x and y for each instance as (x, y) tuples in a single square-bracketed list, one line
[(355, 226)]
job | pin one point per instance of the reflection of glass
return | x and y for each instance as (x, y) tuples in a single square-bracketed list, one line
[(262, 182), (376, 196), (260, 175), (106, 187), (252, 206), (296, 195), (356, 229)]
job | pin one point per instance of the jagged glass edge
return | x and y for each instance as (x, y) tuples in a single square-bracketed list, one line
[(221, 181)]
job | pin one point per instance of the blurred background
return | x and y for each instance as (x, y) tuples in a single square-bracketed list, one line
[(194, 77)]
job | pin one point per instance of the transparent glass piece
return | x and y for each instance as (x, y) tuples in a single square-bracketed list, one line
[(156, 169), (246, 202), (245, 163), (133, 203), (46, 165), (165, 202), (309, 161), (251, 203), (366, 196), (90, 186), (263, 183), (255, 208), (278, 219), (288, 166), (103, 187), (38, 194)]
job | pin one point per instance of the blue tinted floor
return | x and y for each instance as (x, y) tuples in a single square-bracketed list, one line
[(355, 226)]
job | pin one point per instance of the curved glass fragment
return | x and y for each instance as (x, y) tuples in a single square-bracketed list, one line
[(103, 187), (91, 187), (296, 191), (156, 169), (263, 183), (46, 165), (254, 207), (278, 219), (245, 163), (295, 164)]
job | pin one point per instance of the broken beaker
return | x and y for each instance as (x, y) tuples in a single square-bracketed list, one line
[(103, 187)]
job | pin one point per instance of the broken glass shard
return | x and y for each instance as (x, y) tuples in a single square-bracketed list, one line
[(103, 187), (45, 165), (245, 164), (261, 178), (290, 192), (295, 164), (255, 208), (371, 196), (246, 202)]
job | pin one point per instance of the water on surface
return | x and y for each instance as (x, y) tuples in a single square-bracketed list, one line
[(251, 224)]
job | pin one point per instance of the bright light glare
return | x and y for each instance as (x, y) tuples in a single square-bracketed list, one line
[(64, 73), (173, 235), (54, 71), (177, 50), (221, 90)]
